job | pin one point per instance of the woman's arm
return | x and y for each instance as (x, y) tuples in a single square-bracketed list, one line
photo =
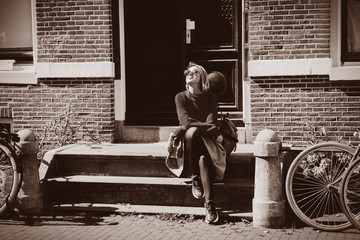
[(207, 128), (183, 115), (212, 117)]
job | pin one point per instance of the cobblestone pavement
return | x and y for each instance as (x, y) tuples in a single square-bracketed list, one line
[(138, 226)]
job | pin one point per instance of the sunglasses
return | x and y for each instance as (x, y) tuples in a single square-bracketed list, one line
[(190, 73)]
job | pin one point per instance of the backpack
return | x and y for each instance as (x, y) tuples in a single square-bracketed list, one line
[(229, 132)]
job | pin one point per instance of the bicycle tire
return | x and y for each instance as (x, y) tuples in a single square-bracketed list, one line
[(312, 185), (350, 193), (10, 177)]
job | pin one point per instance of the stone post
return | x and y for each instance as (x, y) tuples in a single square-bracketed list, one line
[(269, 201), (30, 198)]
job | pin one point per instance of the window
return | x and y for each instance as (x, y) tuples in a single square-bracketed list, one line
[(350, 42), (341, 67), (16, 40), (17, 34)]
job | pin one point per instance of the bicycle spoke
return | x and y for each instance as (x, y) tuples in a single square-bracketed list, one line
[(313, 184), (307, 186), (353, 193), (336, 203), (310, 197), (338, 174), (317, 203), (310, 179), (328, 205), (306, 195), (8, 177), (3, 157)]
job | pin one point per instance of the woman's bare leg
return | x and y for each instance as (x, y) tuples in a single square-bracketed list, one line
[(205, 178)]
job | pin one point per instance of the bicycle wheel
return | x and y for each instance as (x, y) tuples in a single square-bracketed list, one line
[(350, 193), (9, 177), (312, 185)]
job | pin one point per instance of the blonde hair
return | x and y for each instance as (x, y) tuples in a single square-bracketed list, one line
[(205, 85)]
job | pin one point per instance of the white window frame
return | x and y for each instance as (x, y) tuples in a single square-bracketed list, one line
[(340, 70), (23, 73)]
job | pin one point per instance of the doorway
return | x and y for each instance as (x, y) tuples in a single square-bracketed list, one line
[(162, 37)]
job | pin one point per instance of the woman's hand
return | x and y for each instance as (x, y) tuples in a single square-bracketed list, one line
[(219, 139)]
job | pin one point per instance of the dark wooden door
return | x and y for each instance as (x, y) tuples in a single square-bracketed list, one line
[(157, 53), (216, 44)]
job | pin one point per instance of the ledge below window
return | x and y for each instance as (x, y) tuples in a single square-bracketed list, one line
[(75, 70), (289, 67), (21, 74), (296, 67), (345, 73)]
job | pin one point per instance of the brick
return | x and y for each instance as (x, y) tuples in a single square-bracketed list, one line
[(316, 100), (55, 16), (314, 16)]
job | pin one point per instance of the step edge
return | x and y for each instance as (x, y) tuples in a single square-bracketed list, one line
[(140, 180), (148, 209), (241, 150)]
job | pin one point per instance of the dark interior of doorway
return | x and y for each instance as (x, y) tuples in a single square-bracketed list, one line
[(154, 60)]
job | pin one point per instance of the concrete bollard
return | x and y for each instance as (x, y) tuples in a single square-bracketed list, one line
[(269, 201), (30, 198)]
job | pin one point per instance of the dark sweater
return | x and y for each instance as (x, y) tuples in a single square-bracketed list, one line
[(198, 111)]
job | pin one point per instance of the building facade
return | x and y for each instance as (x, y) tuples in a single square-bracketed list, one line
[(290, 64)]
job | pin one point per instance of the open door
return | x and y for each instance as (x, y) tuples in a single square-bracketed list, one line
[(154, 60), (161, 38)]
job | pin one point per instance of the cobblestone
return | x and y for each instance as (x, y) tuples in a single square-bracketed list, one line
[(146, 227)]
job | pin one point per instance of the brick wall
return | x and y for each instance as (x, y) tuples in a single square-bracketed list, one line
[(67, 31), (92, 102), (74, 30), (289, 29), (292, 105), (287, 104)]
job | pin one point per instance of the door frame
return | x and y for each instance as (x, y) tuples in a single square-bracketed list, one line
[(120, 80)]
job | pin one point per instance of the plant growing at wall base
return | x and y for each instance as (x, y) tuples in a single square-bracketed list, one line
[(317, 134), (64, 131)]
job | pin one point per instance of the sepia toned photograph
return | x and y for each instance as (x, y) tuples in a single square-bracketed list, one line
[(179, 119)]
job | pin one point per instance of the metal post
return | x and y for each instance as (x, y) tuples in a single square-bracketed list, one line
[(269, 201)]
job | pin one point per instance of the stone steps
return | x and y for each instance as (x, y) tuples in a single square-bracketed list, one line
[(229, 194), (146, 159), (135, 174)]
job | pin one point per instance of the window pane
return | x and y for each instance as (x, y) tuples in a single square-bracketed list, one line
[(16, 30), (15, 24), (353, 26)]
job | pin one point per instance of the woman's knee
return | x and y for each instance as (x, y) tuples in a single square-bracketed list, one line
[(192, 133), (203, 161)]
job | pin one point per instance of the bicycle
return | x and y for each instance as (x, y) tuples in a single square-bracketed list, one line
[(10, 169), (313, 185), (350, 190)]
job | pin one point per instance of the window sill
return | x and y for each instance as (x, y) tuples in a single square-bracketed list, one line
[(289, 67), (345, 73), (21, 74)]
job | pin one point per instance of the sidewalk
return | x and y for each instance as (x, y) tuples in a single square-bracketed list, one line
[(138, 226)]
